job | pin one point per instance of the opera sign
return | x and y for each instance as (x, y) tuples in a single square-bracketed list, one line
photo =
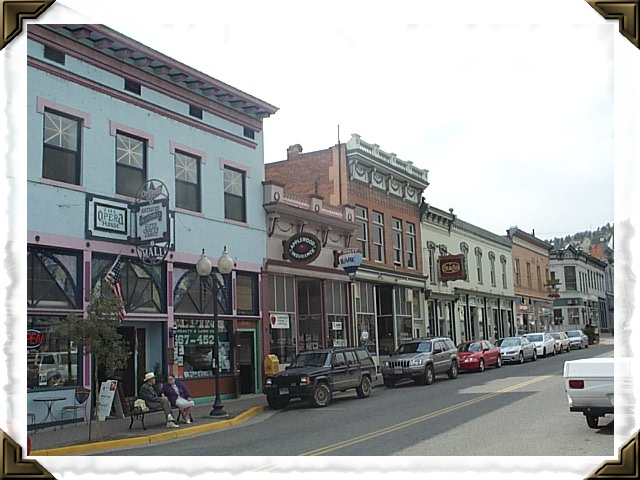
[(451, 267), (302, 248), (350, 259)]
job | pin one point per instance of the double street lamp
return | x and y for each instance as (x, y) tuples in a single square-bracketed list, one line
[(204, 267)]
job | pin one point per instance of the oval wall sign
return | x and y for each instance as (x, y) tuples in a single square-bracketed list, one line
[(302, 248)]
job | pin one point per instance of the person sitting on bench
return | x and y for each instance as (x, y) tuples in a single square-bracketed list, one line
[(179, 397), (153, 400)]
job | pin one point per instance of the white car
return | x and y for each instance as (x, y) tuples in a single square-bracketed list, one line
[(578, 339), (563, 344), (544, 343)]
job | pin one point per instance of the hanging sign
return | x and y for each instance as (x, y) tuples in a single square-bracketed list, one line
[(152, 235), (451, 267), (350, 259)]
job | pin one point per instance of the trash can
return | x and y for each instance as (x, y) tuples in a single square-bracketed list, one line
[(271, 365)]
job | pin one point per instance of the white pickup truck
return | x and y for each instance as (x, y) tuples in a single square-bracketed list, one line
[(589, 384)]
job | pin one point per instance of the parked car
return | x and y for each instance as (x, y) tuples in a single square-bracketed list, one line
[(517, 349), (316, 374), (478, 354), (563, 344), (421, 360), (544, 343), (578, 339)]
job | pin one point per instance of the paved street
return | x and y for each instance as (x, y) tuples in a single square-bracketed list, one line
[(512, 411)]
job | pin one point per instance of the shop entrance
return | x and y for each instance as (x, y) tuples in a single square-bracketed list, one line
[(310, 314), (133, 374), (384, 307), (246, 345)]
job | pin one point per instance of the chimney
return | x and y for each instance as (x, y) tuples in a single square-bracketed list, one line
[(293, 151)]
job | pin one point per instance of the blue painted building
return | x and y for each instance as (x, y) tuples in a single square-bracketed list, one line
[(105, 115)]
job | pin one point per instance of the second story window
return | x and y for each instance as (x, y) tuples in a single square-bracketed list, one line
[(378, 237), (431, 255), (187, 170), (570, 278), (131, 164), (478, 252), (397, 241), (464, 249), (516, 266), (503, 263), (61, 149), (539, 275), (492, 268), (528, 267), (411, 245), (362, 233), (234, 195)]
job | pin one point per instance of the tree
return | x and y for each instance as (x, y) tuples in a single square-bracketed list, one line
[(97, 333)]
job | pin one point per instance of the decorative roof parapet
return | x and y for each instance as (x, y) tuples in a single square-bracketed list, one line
[(391, 159)]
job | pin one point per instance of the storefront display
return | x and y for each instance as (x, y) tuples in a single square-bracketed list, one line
[(193, 347)]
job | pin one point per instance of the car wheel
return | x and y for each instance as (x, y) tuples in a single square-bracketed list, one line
[(429, 375), (554, 351), (592, 421), (499, 362), (453, 371), (544, 353), (586, 345), (321, 395), (521, 357), (389, 383), (364, 389), (277, 403), (535, 355), (481, 365)]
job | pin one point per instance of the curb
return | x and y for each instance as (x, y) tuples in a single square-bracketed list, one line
[(159, 437)]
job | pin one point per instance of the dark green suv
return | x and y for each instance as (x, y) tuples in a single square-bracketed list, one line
[(316, 374)]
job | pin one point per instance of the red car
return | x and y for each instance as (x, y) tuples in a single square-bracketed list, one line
[(478, 354)]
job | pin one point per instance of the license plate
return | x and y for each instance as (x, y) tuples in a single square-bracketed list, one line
[(397, 370), (283, 391)]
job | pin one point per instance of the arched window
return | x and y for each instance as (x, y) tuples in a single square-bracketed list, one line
[(53, 279), (464, 249), (478, 252)]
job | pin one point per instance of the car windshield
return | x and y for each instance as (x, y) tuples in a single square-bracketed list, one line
[(508, 342), (573, 334), (414, 347), (557, 336), (534, 338), (311, 359), (470, 347)]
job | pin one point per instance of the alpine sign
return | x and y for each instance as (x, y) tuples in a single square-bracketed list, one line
[(350, 259)]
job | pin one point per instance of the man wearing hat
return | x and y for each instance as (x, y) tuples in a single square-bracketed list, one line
[(153, 400)]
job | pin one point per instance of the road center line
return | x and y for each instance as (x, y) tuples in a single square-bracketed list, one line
[(423, 418)]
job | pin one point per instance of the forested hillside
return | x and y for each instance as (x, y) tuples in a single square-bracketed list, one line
[(584, 239)]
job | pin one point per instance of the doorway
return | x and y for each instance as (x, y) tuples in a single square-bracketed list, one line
[(247, 361)]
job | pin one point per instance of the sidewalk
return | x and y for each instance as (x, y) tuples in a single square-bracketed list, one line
[(115, 433)]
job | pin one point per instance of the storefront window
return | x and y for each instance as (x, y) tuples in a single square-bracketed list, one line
[(247, 294), (52, 279), (193, 347), (282, 342), (52, 361), (337, 313)]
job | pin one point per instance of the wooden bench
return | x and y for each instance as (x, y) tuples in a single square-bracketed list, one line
[(137, 414)]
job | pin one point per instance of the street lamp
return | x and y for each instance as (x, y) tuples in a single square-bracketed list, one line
[(204, 267)]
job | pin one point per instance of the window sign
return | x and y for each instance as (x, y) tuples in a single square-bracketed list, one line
[(193, 347), (279, 320)]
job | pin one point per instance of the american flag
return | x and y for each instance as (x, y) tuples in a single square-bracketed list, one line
[(113, 278)]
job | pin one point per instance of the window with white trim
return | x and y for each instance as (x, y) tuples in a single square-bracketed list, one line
[(131, 163), (187, 173), (61, 147), (362, 234), (397, 241), (234, 195), (378, 236), (411, 245)]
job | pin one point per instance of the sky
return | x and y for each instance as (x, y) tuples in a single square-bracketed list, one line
[(508, 104), (513, 122)]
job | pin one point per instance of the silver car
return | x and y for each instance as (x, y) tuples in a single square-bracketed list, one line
[(578, 339), (517, 349), (563, 344)]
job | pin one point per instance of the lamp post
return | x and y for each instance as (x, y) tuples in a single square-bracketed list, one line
[(204, 267)]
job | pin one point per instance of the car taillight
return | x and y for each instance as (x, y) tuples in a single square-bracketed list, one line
[(576, 383)]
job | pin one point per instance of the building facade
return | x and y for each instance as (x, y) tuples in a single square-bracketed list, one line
[(107, 115), (309, 299), (386, 193), (482, 304), (582, 289), (534, 307)]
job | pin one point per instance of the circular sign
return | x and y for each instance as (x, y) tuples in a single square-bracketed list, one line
[(303, 248), (34, 338)]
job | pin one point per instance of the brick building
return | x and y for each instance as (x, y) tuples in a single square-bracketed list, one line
[(386, 192)]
